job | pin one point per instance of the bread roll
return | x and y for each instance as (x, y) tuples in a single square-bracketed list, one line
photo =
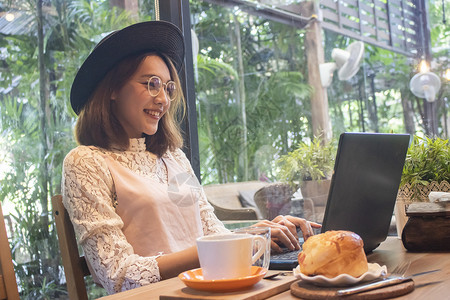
[(333, 253)]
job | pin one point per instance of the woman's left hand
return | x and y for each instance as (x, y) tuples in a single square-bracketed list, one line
[(284, 231)]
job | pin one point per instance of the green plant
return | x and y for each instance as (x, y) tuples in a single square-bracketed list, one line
[(36, 127), (427, 160), (47, 290), (309, 161)]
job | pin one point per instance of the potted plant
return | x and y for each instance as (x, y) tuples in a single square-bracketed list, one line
[(426, 169), (309, 167)]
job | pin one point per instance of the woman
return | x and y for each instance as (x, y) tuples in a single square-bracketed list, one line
[(129, 189)]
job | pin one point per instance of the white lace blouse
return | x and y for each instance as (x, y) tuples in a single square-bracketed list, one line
[(89, 197)]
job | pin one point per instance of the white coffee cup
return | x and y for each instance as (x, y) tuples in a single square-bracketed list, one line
[(227, 256), (264, 232)]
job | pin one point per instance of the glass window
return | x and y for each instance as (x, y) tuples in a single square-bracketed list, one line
[(252, 92), (256, 100)]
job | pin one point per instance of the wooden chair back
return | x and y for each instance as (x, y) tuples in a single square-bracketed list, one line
[(8, 283), (75, 266)]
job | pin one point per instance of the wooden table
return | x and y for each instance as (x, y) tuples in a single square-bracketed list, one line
[(390, 253), (429, 286)]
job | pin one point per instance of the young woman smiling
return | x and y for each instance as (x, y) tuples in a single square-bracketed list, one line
[(130, 191)]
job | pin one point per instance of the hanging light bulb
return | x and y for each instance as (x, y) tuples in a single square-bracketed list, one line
[(423, 67), (9, 17), (447, 75)]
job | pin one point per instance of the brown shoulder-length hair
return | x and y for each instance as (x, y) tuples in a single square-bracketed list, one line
[(98, 126)]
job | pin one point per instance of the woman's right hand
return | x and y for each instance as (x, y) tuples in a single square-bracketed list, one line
[(284, 231)]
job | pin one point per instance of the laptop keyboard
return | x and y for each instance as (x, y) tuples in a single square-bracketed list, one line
[(286, 255), (286, 260)]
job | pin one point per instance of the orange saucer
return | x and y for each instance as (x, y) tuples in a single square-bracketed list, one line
[(194, 279)]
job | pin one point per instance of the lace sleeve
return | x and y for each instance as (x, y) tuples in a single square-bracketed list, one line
[(211, 224), (87, 196)]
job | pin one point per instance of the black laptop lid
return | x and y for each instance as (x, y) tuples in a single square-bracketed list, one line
[(364, 185)]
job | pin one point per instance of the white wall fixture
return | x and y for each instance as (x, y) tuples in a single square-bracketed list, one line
[(346, 61), (425, 84), (195, 50)]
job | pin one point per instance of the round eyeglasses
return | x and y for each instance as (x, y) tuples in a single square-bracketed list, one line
[(155, 84)]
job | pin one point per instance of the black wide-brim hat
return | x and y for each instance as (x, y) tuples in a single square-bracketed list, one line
[(152, 36)]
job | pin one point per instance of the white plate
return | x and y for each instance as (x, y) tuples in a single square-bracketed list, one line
[(375, 271)]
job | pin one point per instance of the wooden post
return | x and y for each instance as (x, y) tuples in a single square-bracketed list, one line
[(315, 56), (8, 284), (430, 119)]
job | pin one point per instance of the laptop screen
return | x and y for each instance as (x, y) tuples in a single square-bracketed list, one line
[(364, 185), (363, 189)]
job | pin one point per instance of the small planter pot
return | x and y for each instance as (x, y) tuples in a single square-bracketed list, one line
[(406, 195)]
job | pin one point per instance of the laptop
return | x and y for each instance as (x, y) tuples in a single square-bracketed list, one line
[(363, 189)]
